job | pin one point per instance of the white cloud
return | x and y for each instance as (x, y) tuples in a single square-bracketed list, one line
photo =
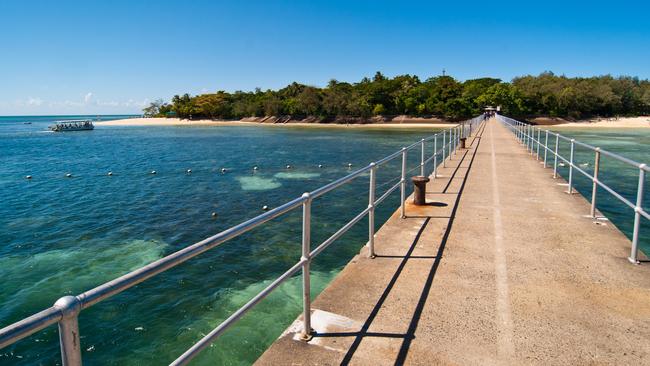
[(135, 103), (34, 102), (110, 103), (86, 103)]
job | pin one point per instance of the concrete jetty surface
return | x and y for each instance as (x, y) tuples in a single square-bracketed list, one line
[(501, 267)]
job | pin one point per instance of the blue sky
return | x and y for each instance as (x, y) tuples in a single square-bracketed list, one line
[(62, 57)]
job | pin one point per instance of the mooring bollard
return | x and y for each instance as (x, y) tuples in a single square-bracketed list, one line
[(462, 142), (419, 189)]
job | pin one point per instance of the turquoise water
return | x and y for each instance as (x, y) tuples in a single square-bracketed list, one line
[(62, 236)]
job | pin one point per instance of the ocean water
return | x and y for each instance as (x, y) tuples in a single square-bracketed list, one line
[(61, 235)]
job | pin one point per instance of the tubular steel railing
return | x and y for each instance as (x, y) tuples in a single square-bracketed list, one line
[(531, 137), (65, 310)]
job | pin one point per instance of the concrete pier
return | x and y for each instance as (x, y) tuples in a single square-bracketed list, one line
[(501, 266)]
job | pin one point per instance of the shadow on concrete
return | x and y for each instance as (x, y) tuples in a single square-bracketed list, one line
[(436, 204), (417, 313)]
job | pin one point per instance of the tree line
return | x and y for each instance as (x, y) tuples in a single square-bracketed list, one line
[(442, 96)]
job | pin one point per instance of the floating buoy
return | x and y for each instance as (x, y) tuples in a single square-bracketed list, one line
[(288, 166), (28, 177), (562, 164), (153, 172), (320, 165), (265, 208), (584, 164), (189, 171), (349, 165), (223, 170), (214, 214), (68, 175), (110, 173), (254, 168)]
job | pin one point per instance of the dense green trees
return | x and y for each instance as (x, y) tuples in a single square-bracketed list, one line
[(441, 96)]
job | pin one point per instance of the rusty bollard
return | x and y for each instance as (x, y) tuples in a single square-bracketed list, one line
[(462, 142), (419, 189)]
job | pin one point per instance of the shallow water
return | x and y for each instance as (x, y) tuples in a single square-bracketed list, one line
[(64, 235)]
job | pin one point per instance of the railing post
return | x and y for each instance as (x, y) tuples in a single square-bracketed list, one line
[(515, 129), (306, 284), (545, 148), (637, 216), (435, 155), (517, 132), (557, 144), (444, 158), (539, 131), (526, 137), (450, 143), (422, 157), (403, 185), (371, 210), (70, 307), (571, 167), (525, 132), (594, 188)]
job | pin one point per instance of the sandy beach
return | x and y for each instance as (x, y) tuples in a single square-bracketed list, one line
[(625, 122), (179, 122)]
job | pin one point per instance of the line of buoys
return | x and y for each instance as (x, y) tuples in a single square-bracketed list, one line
[(225, 170)]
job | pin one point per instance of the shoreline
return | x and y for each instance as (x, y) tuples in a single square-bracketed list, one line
[(139, 122), (620, 123)]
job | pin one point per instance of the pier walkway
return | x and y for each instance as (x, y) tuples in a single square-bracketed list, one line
[(501, 267)]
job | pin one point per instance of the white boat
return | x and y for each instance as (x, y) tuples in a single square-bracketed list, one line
[(73, 125)]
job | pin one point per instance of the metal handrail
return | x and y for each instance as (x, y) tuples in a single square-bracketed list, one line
[(65, 310), (525, 132)]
